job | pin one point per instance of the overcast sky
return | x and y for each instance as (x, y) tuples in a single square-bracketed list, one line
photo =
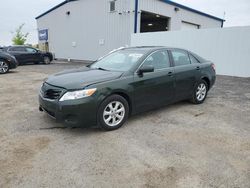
[(15, 12)]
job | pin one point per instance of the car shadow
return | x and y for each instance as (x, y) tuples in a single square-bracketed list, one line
[(158, 110), (51, 124), (27, 64), (11, 72)]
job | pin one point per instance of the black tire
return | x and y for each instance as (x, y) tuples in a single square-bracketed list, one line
[(4, 67), (46, 60), (195, 98), (113, 99)]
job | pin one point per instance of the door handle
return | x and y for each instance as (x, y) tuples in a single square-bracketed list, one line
[(170, 73), (198, 68)]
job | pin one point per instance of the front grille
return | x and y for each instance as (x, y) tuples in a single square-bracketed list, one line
[(51, 92)]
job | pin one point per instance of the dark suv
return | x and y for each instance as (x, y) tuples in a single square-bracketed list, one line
[(126, 82), (26, 54)]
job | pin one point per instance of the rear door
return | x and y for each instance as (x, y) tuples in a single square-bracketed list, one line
[(19, 52), (186, 73), (156, 88)]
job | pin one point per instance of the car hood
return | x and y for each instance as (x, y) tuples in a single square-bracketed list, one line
[(5, 54), (80, 78)]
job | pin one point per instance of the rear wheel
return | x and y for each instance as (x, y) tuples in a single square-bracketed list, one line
[(4, 67), (200, 92), (113, 112), (46, 60)]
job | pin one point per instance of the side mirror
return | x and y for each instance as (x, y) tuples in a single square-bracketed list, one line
[(145, 69)]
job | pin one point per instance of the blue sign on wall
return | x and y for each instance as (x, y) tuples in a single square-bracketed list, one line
[(43, 35)]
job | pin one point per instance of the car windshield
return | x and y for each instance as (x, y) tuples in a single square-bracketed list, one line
[(122, 60)]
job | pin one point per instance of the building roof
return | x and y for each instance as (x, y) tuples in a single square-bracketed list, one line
[(192, 10), (55, 7), (166, 1)]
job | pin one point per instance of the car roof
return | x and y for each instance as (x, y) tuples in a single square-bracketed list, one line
[(150, 49), (153, 48), (17, 46)]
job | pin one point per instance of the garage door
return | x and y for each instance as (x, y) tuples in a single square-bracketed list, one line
[(187, 26)]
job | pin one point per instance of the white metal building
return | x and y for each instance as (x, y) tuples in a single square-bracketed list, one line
[(88, 29)]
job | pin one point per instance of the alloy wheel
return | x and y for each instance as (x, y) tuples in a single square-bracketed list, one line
[(114, 113), (3, 67), (46, 60), (201, 92)]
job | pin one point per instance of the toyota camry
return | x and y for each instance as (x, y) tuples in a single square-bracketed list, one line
[(126, 82)]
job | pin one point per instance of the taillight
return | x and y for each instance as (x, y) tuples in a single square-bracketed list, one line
[(213, 66)]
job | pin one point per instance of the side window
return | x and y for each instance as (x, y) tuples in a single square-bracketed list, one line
[(30, 50), (112, 6), (193, 59), (13, 49), (159, 60), (180, 57), (17, 49)]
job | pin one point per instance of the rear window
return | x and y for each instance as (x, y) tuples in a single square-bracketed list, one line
[(193, 59), (180, 57), (199, 58)]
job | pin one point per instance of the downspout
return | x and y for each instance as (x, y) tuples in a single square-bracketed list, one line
[(136, 15)]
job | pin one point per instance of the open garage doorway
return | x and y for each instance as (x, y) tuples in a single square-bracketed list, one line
[(153, 22)]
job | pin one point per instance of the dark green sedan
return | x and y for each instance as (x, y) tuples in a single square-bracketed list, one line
[(123, 83)]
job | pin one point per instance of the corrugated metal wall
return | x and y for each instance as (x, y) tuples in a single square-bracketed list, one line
[(228, 48), (90, 30)]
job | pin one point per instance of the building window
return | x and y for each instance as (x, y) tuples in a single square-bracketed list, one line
[(187, 25), (112, 6), (151, 22)]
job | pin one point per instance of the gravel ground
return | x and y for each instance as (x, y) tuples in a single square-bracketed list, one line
[(182, 145)]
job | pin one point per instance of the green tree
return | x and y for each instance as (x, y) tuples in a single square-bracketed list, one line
[(19, 37)]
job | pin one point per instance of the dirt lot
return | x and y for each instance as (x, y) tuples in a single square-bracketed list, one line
[(182, 145)]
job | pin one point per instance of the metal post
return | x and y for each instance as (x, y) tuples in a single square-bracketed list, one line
[(136, 15)]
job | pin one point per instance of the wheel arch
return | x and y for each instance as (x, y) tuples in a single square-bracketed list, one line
[(123, 94), (126, 97), (3, 59), (206, 79)]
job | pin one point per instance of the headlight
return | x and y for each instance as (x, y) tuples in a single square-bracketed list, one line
[(71, 95)]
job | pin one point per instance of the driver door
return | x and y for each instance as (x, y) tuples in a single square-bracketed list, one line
[(156, 88), (32, 55)]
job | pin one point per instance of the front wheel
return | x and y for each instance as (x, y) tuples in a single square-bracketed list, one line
[(4, 67), (200, 92), (113, 112), (46, 60)]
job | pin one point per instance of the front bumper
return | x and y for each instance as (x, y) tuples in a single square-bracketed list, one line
[(81, 112)]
